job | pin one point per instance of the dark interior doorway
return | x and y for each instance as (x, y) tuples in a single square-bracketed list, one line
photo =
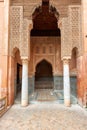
[(19, 77), (44, 75)]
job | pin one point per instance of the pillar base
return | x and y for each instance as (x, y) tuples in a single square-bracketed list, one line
[(24, 103), (67, 103)]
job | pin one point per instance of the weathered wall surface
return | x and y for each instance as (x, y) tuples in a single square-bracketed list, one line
[(3, 50), (1, 25), (1, 40), (82, 61)]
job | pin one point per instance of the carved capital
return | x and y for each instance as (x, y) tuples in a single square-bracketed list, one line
[(66, 61), (24, 60)]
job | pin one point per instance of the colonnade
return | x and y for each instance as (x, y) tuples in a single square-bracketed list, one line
[(66, 83)]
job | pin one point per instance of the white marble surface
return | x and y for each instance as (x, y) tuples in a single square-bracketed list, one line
[(66, 83), (24, 100)]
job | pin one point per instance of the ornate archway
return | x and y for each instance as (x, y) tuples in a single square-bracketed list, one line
[(44, 75)]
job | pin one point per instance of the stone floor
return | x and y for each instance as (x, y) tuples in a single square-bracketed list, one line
[(42, 116), (39, 95), (46, 95)]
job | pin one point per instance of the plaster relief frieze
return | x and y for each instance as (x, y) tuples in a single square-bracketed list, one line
[(59, 2), (24, 2), (66, 2)]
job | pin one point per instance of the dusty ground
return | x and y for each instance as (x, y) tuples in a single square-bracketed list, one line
[(44, 116)]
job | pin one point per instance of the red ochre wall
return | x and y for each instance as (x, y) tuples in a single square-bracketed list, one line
[(3, 56), (82, 80), (82, 61)]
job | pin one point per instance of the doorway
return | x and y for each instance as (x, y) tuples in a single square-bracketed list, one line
[(44, 75)]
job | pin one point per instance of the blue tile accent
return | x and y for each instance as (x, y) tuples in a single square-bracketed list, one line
[(31, 84), (73, 85), (58, 84)]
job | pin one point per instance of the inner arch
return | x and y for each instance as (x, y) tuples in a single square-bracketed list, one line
[(44, 75)]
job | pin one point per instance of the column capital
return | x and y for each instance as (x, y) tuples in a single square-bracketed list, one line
[(66, 61), (24, 59)]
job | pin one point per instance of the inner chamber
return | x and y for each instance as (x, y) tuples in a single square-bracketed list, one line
[(43, 75)]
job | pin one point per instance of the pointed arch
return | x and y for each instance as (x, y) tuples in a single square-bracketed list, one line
[(41, 59), (43, 75), (73, 62), (15, 49), (75, 51)]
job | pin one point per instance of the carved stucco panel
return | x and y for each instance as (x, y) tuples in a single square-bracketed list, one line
[(58, 61), (16, 18), (75, 27), (65, 38), (25, 39), (71, 32)]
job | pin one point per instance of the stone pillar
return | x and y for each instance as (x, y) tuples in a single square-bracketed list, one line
[(66, 82), (4, 45), (24, 94), (6, 27), (82, 61)]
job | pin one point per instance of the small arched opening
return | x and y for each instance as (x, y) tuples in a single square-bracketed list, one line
[(44, 75), (73, 75), (17, 76)]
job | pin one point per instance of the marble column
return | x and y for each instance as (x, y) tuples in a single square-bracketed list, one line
[(66, 82), (24, 94)]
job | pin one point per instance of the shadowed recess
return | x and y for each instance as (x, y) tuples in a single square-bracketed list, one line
[(45, 20)]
